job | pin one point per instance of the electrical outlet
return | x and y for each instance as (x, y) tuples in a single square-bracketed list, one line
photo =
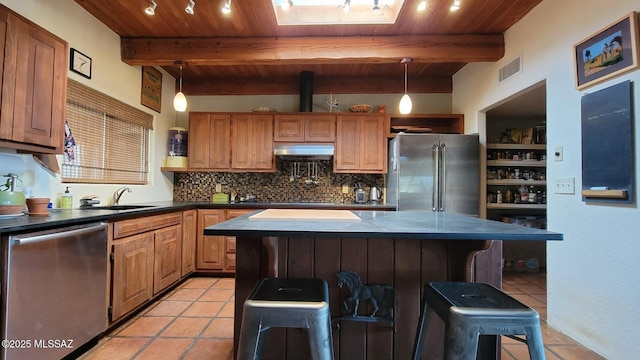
[(218, 188), (564, 186), (558, 154), (345, 189)]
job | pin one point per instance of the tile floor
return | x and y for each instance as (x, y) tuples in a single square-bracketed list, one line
[(195, 321)]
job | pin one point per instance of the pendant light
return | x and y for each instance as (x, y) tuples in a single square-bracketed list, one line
[(405, 101), (180, 101)]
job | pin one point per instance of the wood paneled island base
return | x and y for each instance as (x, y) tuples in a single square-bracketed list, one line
[(403, 250)]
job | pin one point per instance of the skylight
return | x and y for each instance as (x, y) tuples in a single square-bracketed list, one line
[(334, 12)]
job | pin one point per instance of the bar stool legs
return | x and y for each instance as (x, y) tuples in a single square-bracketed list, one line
[(473, 309), (289, 303)]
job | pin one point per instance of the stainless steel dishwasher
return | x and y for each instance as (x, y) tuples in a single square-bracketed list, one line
[(54, 293)]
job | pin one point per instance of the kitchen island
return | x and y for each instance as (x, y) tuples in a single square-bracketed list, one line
[(400, 249)]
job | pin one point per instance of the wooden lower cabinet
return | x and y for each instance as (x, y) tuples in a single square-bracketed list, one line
[(216, 253), (168, 250), (189, 228), (132, 273), (146, 258), (209, 249)]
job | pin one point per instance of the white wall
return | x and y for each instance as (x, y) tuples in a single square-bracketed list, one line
[(593, 290), (422, 103), (69, 21)]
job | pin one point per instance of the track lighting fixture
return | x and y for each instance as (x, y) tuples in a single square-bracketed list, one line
[(455, 6), (151, 10), (422, 6), (226, 9), (286, 5), (347, 6), (405, 101), (375, 5), (180, 101), (189, 8)]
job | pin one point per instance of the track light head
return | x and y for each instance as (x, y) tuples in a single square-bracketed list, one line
[(286, 5), (151, 10), (422, 6), (347, 6), (226, 9), (375, 5), (189, 9)]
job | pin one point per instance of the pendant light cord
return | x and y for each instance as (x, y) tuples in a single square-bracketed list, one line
[(181, 78), (405, 77)]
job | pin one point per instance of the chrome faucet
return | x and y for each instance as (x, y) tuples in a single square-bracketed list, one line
[(118, 194)]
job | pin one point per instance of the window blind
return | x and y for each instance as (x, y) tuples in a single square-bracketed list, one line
[(111, 139)]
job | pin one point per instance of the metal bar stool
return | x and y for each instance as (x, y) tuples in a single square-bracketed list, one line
[(473, 309), (289, 303)]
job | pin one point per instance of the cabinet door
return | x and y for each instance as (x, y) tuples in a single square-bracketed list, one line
[(41, 87), (199, 134), (189, 221), (347, 156), (241, 142), (262, 134), (289, 128), (252, 142), (210, 250), (6, 80), (320, 128), (168, 251), (132, 273), (373, 144), (219, 146)]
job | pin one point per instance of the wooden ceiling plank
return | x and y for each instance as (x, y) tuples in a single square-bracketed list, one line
[(312, 50)]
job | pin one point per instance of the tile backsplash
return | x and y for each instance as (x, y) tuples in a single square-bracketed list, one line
[(279, 186)]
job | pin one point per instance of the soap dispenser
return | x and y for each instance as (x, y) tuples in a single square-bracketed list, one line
[(66, 200)]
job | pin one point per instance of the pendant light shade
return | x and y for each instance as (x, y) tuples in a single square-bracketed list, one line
[(180, 101), (405, 102)]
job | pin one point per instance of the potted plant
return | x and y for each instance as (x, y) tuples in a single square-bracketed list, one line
[(11, 201)]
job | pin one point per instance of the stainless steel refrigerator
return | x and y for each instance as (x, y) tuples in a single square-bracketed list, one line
[(435, 172)]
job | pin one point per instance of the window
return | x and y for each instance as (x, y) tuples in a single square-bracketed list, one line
[(107, 140)]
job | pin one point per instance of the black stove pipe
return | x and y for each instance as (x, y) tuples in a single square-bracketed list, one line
[(306, 91)]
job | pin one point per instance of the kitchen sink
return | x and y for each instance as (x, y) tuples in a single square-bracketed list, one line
[(115, 207)]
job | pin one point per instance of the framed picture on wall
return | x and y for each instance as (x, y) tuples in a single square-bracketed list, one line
[(607, 53), (80, 63), (151, 93)]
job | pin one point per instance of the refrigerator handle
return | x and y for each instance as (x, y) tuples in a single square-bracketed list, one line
[(435, 153), (443, 175)]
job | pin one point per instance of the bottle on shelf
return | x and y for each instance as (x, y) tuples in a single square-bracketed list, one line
[(524, 194), (508, 198), (499, 197)]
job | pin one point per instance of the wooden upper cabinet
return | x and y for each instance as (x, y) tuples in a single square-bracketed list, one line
[(209, 146), (252, 142), (34, 86), (361, 144), (304, 128)]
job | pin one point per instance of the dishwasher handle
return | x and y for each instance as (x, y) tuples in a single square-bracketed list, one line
[(30, 239)]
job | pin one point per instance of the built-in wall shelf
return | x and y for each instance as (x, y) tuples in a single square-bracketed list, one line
[(517, 182), (504, 206), (517, 146), (527, 163), (426, 123)]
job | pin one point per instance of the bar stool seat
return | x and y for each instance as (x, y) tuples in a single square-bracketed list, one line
[(473, 309), (289, 303)]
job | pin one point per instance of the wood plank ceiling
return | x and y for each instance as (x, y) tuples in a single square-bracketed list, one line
[(246, 52)]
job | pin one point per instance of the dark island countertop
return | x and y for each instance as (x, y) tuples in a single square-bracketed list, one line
[(68, 217), (384, 224)]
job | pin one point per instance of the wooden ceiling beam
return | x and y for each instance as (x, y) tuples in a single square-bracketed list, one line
[(321, 85), (312, 50)]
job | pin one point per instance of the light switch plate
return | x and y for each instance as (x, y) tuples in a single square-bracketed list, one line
[(564, 186)]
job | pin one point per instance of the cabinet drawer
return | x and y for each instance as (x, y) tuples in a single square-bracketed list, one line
[(135, 226), (231, 261), (231, 244)]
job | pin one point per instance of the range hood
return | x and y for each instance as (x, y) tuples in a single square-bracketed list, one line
[(304, 151)]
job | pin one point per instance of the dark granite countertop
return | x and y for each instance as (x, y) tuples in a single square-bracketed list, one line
[(66, 217), (385, 224)]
